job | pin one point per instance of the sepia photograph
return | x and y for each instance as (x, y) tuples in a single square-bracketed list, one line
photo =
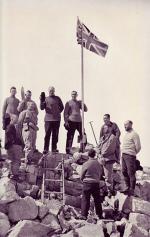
[(74, 115)]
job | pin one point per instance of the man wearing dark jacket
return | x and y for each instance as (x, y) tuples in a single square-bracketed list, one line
[(92, 172), (73, 120), (107, 148), (13, 144), (53, 107)]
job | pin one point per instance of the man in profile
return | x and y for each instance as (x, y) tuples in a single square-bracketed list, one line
[(53, 107), (114, 129), (73, 120), (107, 148), (130, 148)]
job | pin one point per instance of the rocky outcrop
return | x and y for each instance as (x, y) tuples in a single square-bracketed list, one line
[(7, 191), (4, 225), (28, 228), (22, 209), (133, 230)]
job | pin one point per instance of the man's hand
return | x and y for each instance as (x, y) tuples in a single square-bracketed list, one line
[(42, 97), (66, 125), (101, 160)]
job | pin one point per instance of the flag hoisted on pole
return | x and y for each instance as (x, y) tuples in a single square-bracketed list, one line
[(89, 41)]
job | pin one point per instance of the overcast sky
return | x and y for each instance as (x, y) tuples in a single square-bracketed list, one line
[(39, 49)]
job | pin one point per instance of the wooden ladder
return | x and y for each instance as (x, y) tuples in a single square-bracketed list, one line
[(59, 168)]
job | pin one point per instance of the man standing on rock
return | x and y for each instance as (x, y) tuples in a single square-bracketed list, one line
[(23, 104), (92, 172), (10, 104), (13, 144), (130, 148), (106, 150), (28, 128), (73, 120), (53, 107), (114, 129)]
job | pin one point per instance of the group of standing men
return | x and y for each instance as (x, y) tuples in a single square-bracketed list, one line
[(108, 153), (20, 125), (22, 118)]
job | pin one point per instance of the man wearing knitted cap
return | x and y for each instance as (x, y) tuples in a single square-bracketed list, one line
[(53, 107)]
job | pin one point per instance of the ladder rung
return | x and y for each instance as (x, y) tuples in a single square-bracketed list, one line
[(56, 180), (53, 192)]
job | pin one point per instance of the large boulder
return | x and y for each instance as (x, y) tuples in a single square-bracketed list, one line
[(7, 191), (4, 225), (27, 228), (22, 209), (139, 206), (140, 220), (132, 230)]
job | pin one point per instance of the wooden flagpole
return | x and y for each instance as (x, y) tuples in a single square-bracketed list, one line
[(82, 87)]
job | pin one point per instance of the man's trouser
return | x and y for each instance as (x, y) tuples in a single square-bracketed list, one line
[(88, 190), (29, 138), (129, 170), (117, 152), (15, 154), (51, 127), (73, 126), (108, 172)]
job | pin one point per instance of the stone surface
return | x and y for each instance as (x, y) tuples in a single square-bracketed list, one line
[(53, 205), (4, 225), (88, 230), (142, 190), (42, 209), (73, 201), (132, 230), (140, 220), (73, 188), (22, 209), (7, 191), (51, 221), (140, 206), (27, 228), (4, 208)]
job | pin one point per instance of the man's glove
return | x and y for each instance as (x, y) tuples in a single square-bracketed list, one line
[(42, 97), (66, 125)]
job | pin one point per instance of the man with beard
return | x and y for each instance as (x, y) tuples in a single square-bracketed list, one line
[(130, 148)]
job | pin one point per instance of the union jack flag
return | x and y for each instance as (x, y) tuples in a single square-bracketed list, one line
[(89, 40)]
